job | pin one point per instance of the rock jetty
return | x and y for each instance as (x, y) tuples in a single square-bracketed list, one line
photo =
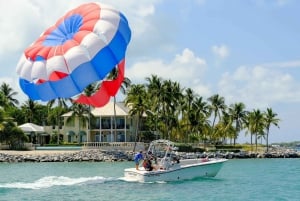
[(88, 156), (243, 154), (97, 155)]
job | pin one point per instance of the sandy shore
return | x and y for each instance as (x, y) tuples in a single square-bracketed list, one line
[(38, 152)]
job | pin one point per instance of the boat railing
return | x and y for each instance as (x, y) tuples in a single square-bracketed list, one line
[(165, 163)]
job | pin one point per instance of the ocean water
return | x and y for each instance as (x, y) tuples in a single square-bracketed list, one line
[(245, 179)]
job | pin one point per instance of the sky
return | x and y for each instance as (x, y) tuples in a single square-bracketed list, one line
[(244, 50)]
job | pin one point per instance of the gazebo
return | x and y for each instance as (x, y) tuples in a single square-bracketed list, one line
[(36, 133)]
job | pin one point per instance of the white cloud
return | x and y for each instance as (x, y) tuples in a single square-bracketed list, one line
[(221, 51), (14, 32), (22, 22), (185, 68), (259, 86)]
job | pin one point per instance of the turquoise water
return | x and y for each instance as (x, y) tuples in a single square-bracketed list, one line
[(59, 148), (251, 179)]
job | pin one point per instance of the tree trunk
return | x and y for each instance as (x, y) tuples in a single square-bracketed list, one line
[(256, 142), (136, 133), (58, 125), (251, 143), (236, 133), (115, 120), (267, 140), (89, 130)]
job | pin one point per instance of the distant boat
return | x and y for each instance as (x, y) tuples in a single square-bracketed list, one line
[(167, 166)]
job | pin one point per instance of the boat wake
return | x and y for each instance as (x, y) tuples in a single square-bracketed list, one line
[(127, 179), (50, 181), (134, 180)]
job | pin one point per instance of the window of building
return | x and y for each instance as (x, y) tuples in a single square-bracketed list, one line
[(106, 123), (120, 122)]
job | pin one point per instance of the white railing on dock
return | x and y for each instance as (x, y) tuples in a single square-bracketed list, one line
[(122, 146), (28, 146), (4, 146)]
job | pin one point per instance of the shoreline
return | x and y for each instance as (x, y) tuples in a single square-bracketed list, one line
[(97, 155), (90, 155), (37, 152)]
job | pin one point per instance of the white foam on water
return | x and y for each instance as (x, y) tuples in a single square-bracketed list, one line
[(50, 181), (126, 179)]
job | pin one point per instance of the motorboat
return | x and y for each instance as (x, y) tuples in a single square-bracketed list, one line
[(166, 165)]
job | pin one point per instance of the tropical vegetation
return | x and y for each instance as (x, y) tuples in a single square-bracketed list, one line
[(181, 115), (163, 109)]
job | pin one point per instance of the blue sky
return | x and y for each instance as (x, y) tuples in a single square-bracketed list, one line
[(244, 50)]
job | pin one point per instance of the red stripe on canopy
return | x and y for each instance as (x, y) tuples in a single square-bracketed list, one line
[(108, 88)]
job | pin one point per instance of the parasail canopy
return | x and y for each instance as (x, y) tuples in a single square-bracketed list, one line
[(82, 47)]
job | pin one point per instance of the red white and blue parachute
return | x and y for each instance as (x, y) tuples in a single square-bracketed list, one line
[(83, 47)]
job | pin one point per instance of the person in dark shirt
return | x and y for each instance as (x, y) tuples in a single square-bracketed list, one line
[(147, 165)]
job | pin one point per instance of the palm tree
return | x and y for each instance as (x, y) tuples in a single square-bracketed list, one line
[(154, 87), (171, 99), (124, 85), (3, 100), (30, 109), (154, 91), (136, 100), (200, 111), (2, 117), (255, 124), (270, 118), (9, 94), (224, 128), (238, 115), (89, 91), (249, 126), (187, 111), (61, 102), (217, 105), (80, 112), (60, 109)]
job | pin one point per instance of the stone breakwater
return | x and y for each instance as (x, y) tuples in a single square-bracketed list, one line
[(245, 155), (80, 156), (118, 156)]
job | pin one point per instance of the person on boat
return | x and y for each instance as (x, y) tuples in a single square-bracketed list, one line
[(206, 159), (147, 165), (175, 159), (137, 158)]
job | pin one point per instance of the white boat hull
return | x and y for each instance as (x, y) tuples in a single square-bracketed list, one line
[(185, 170)]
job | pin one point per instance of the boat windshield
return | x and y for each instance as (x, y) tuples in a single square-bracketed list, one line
[(161, 148)]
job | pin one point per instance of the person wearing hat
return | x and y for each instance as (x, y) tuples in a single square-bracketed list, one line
[(137, 158)]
